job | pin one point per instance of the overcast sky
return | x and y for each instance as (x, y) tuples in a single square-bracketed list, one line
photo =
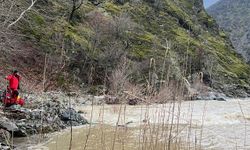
[(208, 3)]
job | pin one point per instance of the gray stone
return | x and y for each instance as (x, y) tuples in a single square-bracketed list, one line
[(49, 115), (70, 114), (6, 124), (211, 96), (133, 101), (4, 147)]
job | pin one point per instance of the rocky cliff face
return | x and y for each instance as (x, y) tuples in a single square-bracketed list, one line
[(178, 34), (233, 16)]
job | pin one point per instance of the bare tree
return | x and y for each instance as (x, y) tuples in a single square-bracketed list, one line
[(101, 27), (11, 12), (76, 4), (22, 14)]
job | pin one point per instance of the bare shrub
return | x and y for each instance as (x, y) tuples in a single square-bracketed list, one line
[(121, 86), (133, 93), (164, 95), (122, 24), (101, 27), (167, 93), (119, 78)]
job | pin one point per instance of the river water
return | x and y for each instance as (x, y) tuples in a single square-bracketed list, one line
[(215, 125)]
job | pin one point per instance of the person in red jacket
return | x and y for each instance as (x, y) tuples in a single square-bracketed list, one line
[(14, 80)]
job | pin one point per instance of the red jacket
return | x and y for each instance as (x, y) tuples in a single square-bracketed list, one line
[(13, 81)]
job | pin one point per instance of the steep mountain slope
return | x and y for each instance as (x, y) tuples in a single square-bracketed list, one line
[(178, 35), (234, 17)]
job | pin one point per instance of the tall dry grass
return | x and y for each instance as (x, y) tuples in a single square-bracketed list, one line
[(161, 126), (162, 132)]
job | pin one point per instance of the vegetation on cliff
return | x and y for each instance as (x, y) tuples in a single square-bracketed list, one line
[(172, 39)]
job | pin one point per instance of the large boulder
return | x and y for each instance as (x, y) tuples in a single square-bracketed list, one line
[(70, 114), (8, 125)]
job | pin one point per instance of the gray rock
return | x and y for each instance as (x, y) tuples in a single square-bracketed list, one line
[(235, 90), (211, 96), (49, 115), (133, 101), (4, 147), (8, 125), (22, 132), (70, 114), (81, 112)]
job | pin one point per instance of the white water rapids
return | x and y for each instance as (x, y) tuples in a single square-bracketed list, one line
[(222, 124), (215, 125)]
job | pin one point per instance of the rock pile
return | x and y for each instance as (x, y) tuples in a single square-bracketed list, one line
[(40, 117)]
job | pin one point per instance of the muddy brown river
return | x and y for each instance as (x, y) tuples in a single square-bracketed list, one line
[(212, 125)]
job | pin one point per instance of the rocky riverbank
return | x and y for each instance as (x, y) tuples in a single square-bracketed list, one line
[(42, 114), (54, 111)]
